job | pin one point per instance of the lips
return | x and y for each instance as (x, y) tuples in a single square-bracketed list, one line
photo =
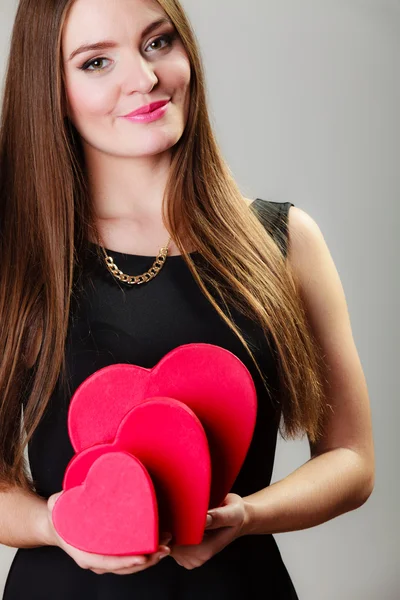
[(147, 109)]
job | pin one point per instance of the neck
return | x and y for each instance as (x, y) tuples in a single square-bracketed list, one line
[(127, 195), (126, 188)]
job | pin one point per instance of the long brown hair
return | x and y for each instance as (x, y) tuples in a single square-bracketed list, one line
[(46, 218)]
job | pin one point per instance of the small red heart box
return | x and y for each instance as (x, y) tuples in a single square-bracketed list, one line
[(169, 440), (210, 380), (114, 512)]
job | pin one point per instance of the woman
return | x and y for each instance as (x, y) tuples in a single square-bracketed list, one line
[(85, 185)]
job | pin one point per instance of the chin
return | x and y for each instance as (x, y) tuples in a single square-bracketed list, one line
[(154, 146)]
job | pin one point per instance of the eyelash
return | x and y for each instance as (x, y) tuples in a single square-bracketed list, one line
[(169, 37)]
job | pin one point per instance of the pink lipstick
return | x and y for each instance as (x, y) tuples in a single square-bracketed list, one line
[(149, 113)]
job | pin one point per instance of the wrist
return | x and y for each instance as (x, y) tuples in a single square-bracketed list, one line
[(45, 528), (247, 525)]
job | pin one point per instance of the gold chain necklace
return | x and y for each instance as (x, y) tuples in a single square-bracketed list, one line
[(137, 279)]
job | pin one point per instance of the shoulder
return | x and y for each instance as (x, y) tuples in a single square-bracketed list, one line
[(308, 253), (313, 267), (304, 235)]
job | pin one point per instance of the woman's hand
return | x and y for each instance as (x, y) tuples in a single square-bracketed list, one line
[(100, 564), (224, 524)]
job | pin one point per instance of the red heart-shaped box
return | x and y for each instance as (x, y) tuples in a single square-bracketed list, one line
[(211, 381), (169, 440), (114, 512)]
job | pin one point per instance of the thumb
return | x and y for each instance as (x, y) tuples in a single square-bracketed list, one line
[(216, 519), (52, 500), (227, 515)]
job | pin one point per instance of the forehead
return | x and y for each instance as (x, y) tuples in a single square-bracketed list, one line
[(103, 18)]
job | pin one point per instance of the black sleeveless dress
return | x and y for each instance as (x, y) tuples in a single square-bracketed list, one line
[(139, 325)]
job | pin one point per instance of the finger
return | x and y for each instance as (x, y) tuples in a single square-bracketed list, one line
[(227, 516), (163, 553), (152, 560), (156, 558), (126, 571), (110, 564), (52, 500), (133, 566), (165, 538)]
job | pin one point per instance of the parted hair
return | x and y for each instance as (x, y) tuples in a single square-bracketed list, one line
[(46, 218)]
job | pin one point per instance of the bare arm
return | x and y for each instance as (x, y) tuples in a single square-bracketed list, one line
[(26, 522), (339, 477), (325, 487), (23, 519)]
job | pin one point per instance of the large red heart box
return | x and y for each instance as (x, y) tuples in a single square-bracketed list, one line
[(169, 440), (211, 381), (114, 512)]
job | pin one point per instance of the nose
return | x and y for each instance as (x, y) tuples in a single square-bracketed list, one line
[(140, 76)]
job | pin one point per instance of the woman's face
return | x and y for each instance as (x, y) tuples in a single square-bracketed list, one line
[(136, 69)]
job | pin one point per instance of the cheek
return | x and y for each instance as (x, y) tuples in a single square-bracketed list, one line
[(184, 77), (176, 73), (88, 99), (183, 74)]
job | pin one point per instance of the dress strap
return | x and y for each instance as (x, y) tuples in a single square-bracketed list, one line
[(274, 217)]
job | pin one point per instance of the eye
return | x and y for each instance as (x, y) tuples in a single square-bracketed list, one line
[(168, 38), (93, 62)]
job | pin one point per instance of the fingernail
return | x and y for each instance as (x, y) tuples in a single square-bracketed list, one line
[(140, 561), (209, 520), (163, 555)]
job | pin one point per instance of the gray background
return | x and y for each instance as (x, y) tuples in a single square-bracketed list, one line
[(305, 98)]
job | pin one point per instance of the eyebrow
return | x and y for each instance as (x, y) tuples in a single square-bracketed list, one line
[(107, 44)]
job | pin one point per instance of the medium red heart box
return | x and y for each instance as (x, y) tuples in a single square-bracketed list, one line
[(169, 440), (217, 389)]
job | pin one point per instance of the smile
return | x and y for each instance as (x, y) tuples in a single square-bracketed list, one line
[(152, 115)]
